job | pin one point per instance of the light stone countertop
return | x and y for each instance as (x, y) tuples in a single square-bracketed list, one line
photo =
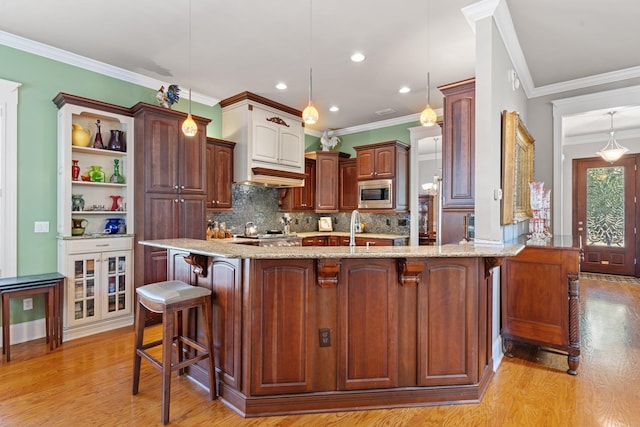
[(232, 248)]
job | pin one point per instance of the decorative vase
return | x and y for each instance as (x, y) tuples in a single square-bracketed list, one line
[(75, 170), (113, 225), (80, 136), (115, 205), (116, 142), (116, 178), (97, 143), (96, 174), (77, 202), (78, 227)]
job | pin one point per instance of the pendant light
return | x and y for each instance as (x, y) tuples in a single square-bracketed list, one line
[(428, 116), (612, 151), (189, 127), (310, 114)]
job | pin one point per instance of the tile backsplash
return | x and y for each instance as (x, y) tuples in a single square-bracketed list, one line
[(260, 205)]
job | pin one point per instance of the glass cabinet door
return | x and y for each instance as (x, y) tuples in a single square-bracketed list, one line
[(82, 295), (117, 298)]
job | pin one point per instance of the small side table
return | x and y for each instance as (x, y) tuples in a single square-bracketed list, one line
[(52, 286)]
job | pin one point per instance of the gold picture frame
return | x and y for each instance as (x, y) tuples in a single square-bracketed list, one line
[(518, 153)]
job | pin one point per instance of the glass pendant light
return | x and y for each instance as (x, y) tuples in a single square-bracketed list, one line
[(612, 151), (189, 127), (310, 114), (428, 117)]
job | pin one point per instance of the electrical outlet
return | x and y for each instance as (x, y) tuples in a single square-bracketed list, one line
[(388, 222), (297, 222), (325, 337), (27, 304), (403, 222), (41, 227)]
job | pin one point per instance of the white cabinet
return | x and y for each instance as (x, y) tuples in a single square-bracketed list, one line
[(269, 140), (99, 295), (98, 264)]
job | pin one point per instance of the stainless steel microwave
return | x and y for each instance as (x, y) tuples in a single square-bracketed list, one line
[(375, 194)]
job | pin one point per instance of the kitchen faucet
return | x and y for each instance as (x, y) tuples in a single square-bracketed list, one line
[(354, 227)]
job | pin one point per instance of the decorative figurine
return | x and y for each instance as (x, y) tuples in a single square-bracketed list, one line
[(328, 141), (168, 98)]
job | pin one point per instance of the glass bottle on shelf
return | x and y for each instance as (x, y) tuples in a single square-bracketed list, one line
[(116, 142), (116, 178), (97, 143)]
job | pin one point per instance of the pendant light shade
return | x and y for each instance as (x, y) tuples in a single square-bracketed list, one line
[(310, 114), (189, 127), (612, 151)]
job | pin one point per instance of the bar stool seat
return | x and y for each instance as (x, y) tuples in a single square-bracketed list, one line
[(171, 298)]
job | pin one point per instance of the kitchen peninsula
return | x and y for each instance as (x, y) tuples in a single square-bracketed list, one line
[(314, 329)]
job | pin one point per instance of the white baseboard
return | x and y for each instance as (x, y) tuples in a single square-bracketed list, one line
[(498, 354), (26, 331), (72, 333)]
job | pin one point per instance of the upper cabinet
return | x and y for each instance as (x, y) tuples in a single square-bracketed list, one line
[(458, 147), (347, 185), (219, 174), (389, 161), (300, 199), (269, 140), (380, 161)]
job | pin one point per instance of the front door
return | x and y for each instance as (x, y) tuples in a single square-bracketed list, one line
[(604, 214)]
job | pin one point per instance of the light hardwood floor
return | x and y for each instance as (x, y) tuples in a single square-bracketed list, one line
[(87, 382)]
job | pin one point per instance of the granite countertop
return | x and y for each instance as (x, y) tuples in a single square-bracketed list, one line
[(232, 248)]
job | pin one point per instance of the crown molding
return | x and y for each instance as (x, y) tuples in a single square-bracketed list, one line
[(50, 52)]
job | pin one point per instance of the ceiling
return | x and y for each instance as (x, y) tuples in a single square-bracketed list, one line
[(252, 45)]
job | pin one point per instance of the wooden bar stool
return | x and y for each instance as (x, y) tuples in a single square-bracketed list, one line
[(171, 298)]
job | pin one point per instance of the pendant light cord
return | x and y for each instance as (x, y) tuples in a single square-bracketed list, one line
[(190, 66), (310, 50)]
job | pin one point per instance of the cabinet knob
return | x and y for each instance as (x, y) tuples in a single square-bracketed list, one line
[(175, 187), (181, 200), (182, 187), (371, 174), (175, 200)]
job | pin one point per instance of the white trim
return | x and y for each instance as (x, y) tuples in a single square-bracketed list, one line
[(9, 177), (74, 332), (498, 354), (377, 125), (83, 62)]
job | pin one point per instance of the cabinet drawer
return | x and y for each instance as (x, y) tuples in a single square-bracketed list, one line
[(100, 245)]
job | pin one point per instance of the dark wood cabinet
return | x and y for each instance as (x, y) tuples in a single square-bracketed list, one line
[(368, 316), (447, 307), (170, 185), (381, 160), (219, 174), (347, 185), (301, 199), (283, 327), (315, 241), (458, 158), (540, 298), (326, 179)]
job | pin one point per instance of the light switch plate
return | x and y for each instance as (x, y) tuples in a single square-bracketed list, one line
[(41, 227)]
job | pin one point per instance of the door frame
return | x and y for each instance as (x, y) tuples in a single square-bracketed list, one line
[(631, 221)]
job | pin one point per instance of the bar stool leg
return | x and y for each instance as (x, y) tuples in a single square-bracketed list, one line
[(208, 332), (139, 332), (167, 349)]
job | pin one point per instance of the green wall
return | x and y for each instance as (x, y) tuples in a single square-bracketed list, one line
[(398, 133), (42, 79)]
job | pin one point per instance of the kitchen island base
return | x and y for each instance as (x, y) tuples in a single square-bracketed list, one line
[(301, 335)]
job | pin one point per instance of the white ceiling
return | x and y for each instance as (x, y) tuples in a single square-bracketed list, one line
[(254, 44)]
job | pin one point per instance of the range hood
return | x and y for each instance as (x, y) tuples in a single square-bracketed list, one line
[(269, 139), (274, 178)]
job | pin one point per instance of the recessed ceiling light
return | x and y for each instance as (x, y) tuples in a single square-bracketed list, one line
[(281, 86), (404, 89), (334, 108), (357, 57)]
